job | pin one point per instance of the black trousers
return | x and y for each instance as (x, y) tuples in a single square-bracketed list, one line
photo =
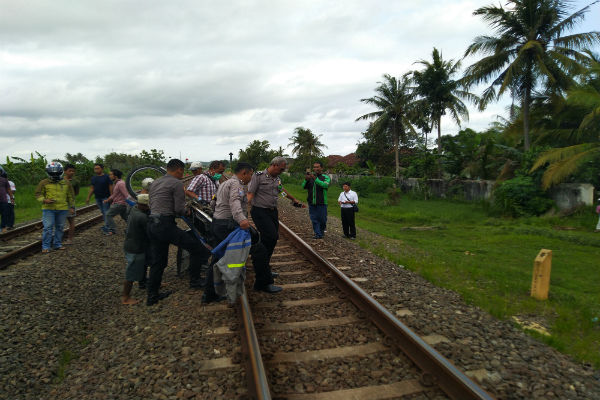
[(162, 232), (267, 223), (348, 222), (220, 229)]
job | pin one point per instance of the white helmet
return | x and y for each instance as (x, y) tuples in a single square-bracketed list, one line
[(195, 165), (146, 182)]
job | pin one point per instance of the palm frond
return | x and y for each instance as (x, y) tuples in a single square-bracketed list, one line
[(560, 154), (578, 40), (559, 170), (569, 23)]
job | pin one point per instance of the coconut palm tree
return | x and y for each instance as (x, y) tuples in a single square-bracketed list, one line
[(583, 101), (306, 145), (394, 102), (440, 92), (530, 48)]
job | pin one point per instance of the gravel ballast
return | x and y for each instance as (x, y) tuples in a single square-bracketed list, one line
[(504, 360), (66, 335)]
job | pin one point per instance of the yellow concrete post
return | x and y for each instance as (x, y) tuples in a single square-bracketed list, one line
[(540, 282)]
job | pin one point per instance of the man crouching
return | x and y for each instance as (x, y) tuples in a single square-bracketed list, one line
[(136, 242)]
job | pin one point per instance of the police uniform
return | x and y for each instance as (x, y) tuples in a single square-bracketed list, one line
[(230, 210), (266, 190), (167, 200)]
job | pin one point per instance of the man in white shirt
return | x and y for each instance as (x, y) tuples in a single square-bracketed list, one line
[(347, 200)]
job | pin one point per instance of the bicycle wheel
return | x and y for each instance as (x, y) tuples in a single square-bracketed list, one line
[(134, 179)]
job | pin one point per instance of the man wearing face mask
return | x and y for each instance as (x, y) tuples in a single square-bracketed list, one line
[(231, 211), (205, 185)]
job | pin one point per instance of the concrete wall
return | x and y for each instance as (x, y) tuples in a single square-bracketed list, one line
[(571, 195), (566, 195)]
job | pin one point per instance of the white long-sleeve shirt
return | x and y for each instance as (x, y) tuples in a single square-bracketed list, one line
[(351, 196)]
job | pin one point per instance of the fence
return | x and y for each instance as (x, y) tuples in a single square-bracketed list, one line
[(566, 196)]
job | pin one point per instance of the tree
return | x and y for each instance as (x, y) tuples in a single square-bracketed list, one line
[(257, 154), (376, 149), (440, 93), (76, 158), (529, 49), (393, 116), (474, 155), (306, 146), (584, 101), (155, 157)]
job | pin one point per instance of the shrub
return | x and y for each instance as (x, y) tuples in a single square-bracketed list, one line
[(393, 196), (368, 184), (520, 197)]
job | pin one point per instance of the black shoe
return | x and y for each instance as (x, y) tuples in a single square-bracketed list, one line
[(164, 295), (269, 289), (212, 298), (150, 301), (197, 285), (274, 275), (141, 285), (317, 237)]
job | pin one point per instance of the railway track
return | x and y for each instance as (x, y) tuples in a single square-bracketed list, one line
[(26, 239), (321, 338), (325, 338)]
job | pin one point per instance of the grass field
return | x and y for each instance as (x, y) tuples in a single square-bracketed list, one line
[(27, 208), (489, 260)]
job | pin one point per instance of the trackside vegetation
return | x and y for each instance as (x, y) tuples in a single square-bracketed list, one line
[(488, 259)]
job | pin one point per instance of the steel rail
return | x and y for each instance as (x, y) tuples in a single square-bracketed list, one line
[(8, 258), (34, 226), (436, 367), (258, 384)]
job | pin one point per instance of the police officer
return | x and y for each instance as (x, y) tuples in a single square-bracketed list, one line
[(263, 192), (167, 200), (230, 213)]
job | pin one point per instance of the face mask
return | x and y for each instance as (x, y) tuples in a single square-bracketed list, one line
[(216, 177)]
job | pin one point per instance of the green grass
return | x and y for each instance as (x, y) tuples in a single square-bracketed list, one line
[(65, 359), (489, 260), (27, 207)]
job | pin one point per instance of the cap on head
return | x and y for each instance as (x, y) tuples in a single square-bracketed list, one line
[(195, 165), (146, 182), (143, 199)]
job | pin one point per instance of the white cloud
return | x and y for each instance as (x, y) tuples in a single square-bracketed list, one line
[(206, 78)]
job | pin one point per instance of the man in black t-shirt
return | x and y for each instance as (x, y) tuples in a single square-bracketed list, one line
[(101, 188)]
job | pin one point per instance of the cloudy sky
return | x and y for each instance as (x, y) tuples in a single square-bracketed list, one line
[(200, 79)]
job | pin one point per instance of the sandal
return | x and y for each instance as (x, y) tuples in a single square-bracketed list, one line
[(60, 248), (45, 251), (68, 242)]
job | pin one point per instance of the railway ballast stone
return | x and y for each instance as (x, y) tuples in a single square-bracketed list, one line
[(504, 360)]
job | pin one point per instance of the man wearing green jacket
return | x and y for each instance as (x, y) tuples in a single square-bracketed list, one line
[(57, 197), (316, 184)]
